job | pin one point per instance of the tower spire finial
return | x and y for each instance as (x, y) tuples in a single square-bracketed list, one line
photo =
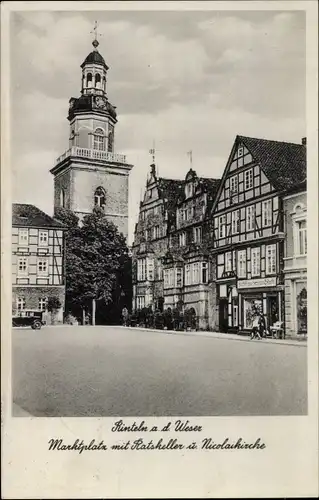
[(190, 155), (152, 152), (95, 42)]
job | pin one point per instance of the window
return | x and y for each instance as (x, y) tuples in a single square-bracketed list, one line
[(241, 264), (99, 197), (20, 303), (195, 273), (204, 272), (62, 198), (156, 232), (222, 226), (302, 237), (250, 218), (43, 267), (189, 190), (140, 301), (228, 261), (143, 215), (159, 269), (165, 278), (22, 266), (235, 223), (179, 277), (255, 261), (233, 183), (150, 269), (271, 259), (188, 274), (169, 275), (249, 179), (142, 247), (251, 306), (110, 141), (23, 237), (42, 303), (141, 269), (99, 139), (43, 238), (190, 212), (182, 239), (98, 80), (89, 80), (197, 234), (266, 211), (147, 234), (183, 214)]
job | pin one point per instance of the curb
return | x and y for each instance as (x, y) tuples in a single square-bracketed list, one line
[(214, 335)]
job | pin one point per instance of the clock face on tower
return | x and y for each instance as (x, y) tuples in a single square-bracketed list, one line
[(100, 101)]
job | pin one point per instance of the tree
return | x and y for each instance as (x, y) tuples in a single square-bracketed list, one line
[(97, 261), (53, 306), (74, 303)]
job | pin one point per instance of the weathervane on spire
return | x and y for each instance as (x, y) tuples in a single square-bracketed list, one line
[(190, 156), (95, 42), (152, 152)]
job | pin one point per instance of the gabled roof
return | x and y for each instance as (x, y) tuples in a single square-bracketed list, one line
[(284, 163), (170, 190), (210, 185), (25, 215)]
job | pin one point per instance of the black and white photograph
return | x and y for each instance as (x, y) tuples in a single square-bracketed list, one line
[(159, 223), (159, 167)]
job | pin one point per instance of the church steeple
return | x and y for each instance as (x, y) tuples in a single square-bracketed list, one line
[(91, 172), (94, 70)]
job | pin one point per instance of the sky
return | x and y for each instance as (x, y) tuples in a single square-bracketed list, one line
[(186, 80)]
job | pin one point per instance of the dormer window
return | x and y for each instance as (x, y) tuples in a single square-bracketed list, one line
[(99, 197), (99, 139)]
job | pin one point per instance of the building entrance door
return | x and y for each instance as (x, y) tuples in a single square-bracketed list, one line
[(272, 310), (223, 315)]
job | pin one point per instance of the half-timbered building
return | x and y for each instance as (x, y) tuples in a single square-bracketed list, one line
[(37, 260), (248, 230)]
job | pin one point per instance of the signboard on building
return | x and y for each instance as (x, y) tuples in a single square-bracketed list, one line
[(256, 283)]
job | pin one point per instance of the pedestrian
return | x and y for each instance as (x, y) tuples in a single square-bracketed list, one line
[(262, 325), (125, 315), (255, 328)]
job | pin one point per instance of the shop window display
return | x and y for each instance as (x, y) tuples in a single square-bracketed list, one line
[(252, 306)]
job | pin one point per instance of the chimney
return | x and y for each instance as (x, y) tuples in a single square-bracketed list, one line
[(304, 141)]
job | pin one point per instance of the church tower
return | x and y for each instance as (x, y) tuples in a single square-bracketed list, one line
[(90, 172)]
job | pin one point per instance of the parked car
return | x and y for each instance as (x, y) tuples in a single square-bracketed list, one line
[(29, 318)]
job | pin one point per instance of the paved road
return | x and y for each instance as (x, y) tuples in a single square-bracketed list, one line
[(105, 371)]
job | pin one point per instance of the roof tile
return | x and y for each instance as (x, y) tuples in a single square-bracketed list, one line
[(31, 216)]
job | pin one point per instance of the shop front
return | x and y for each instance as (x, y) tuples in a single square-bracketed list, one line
[(262, 296), (240, 300)]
